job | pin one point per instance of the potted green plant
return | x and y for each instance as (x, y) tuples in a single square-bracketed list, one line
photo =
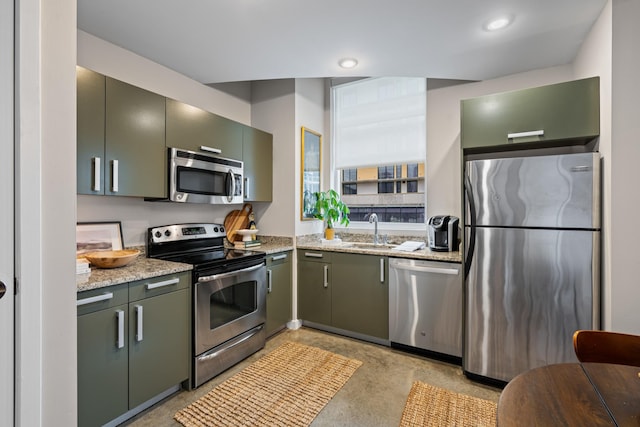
[(332, 210)]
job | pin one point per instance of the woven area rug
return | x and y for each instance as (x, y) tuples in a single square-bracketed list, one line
[(433, 406), (287, 387)]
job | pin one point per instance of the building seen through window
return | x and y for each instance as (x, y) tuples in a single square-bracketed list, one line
[(394, 192)]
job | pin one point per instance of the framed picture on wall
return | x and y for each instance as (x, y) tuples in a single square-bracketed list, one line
[(98, 236), (311, 171)]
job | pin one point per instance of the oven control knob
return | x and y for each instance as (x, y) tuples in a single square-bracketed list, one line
[(215, 229), (167, 233), (222, 229), (158, 234)]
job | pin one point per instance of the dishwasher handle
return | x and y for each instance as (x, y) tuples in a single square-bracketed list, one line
[(424, 269)]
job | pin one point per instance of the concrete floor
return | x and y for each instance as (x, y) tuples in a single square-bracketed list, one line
[(374, 396)]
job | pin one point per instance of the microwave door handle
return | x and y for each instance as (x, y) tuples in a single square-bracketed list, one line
[(231, 191)]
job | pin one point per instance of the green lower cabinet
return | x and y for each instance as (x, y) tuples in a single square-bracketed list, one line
[(156, 358), (103, 355), (314, 286), (344, 291), (133, 344), (360, 295), (278, 291)]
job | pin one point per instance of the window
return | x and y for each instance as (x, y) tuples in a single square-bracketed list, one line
[(379, 147)]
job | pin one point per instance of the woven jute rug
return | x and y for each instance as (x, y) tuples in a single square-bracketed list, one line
[(287, 387), (433, 406)]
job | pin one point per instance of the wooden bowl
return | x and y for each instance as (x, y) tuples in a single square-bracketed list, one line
[(112, 259)]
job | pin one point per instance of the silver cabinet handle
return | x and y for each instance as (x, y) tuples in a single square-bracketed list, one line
[(326, 276), (232, 190), (269, 282), (381, 270), (229, 274), (120, 320), (279, 257), (114, 176), (420, 269), (161, 284), (210, 149), (139, 324), (313, 255), (246, 187), (96, 173), (97, 298), (525, 134)]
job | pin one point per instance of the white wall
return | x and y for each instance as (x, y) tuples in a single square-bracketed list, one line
[(594, 59), (443, 168), (114, 61), (310, 113), (625, 173), (273, 110), (45, 213)]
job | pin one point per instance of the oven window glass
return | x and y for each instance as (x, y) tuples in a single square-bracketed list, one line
[(201, 181), (231, 303)]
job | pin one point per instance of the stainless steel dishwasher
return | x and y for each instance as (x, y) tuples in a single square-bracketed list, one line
[(425, 306)]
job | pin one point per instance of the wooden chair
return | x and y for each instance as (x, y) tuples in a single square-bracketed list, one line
[(607, 347)]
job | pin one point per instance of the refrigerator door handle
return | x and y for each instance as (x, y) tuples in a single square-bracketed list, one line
[(472, 223)]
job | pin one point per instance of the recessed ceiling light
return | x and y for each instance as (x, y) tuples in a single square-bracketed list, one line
[(348, 62), (498, 23)]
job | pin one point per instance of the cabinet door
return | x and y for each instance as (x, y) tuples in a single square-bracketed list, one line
[(278, 291), (135, 122), (191, 128), (314, 287), (90, 131), (360, 295), (102, 366), (159, 345), (257, 154), (566, 112)]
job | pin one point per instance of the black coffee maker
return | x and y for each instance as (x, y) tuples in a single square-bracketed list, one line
[(443, 233)]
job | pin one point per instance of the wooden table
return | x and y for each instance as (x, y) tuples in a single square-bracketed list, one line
[(572, 394)]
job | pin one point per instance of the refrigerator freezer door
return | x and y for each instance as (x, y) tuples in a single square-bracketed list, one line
[(527, 292), (559, 191)]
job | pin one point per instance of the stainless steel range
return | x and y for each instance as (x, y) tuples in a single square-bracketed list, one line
[(229, 294)]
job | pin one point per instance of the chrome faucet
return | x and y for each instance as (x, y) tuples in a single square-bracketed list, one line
[(373, 218)]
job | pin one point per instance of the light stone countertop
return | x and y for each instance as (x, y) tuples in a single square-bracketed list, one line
[(140, 269), (145, 268), (314, 242)]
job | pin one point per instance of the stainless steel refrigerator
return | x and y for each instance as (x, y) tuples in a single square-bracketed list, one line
[(532, 260)]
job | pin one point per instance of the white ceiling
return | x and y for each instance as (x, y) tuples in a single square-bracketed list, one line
[(214, 41)]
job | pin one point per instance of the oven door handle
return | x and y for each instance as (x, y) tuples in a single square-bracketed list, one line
[(229, 274)]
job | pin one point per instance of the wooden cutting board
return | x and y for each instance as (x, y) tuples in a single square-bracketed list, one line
[(237, 220)]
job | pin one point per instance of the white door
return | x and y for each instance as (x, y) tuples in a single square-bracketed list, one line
[(6, 213)]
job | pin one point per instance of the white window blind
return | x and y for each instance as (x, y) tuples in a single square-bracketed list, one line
[(380, 121)]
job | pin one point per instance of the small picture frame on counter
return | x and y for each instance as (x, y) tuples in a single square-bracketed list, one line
[(98, 236)]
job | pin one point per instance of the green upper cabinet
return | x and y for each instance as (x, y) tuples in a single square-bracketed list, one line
[(90, 131), (559, 114), (257, 154), (135, 152), (194, 129), (360, 295)]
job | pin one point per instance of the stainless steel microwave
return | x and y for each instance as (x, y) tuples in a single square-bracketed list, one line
[(202, 178)]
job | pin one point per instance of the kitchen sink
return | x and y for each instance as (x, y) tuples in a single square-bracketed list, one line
[(368, 245)]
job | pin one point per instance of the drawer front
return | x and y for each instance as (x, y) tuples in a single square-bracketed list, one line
[(279, 258), (158, 285), (100, 299), (313, 255)]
